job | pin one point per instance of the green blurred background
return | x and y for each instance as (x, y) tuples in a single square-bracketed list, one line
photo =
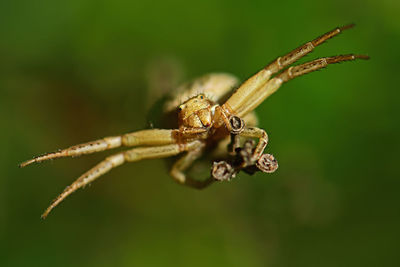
[(74, 71)]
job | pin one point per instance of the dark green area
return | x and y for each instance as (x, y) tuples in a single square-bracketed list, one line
[(73, 71)]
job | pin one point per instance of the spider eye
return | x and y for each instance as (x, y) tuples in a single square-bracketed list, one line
[(179, 108), (201, 96)]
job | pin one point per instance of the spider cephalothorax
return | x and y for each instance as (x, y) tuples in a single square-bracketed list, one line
[(205, 125), (196, 112)]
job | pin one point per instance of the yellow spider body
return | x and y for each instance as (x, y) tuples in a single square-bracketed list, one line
[(196, 112)]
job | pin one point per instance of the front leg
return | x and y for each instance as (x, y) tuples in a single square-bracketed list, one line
[(261, 134), (243, 96)]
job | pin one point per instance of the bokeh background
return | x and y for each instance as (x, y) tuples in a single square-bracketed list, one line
[(74, 71)]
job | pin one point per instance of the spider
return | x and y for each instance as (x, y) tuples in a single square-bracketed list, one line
[(204, 125)]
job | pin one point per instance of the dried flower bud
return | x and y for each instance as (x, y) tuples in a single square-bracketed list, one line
[(267, 163), (222, 171)]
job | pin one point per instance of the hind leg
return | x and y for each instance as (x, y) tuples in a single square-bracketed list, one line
[(184, 163), (113, 161)]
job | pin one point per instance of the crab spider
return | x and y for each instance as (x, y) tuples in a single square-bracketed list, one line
[(202, 122)]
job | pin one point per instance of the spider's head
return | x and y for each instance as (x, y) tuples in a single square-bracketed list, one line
[(195, 112)]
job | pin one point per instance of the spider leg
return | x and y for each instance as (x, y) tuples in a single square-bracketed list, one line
[(314, 65), (255, 83), (250, 132), (272, 85), (282, 62), (180, 166), (261, 134), (140, 138), (118, 159)]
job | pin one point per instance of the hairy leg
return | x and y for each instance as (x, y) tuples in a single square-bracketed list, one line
[(152, 137), (118, 159), (255, 83), (291, 73), (261, 134), (282, 62)]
